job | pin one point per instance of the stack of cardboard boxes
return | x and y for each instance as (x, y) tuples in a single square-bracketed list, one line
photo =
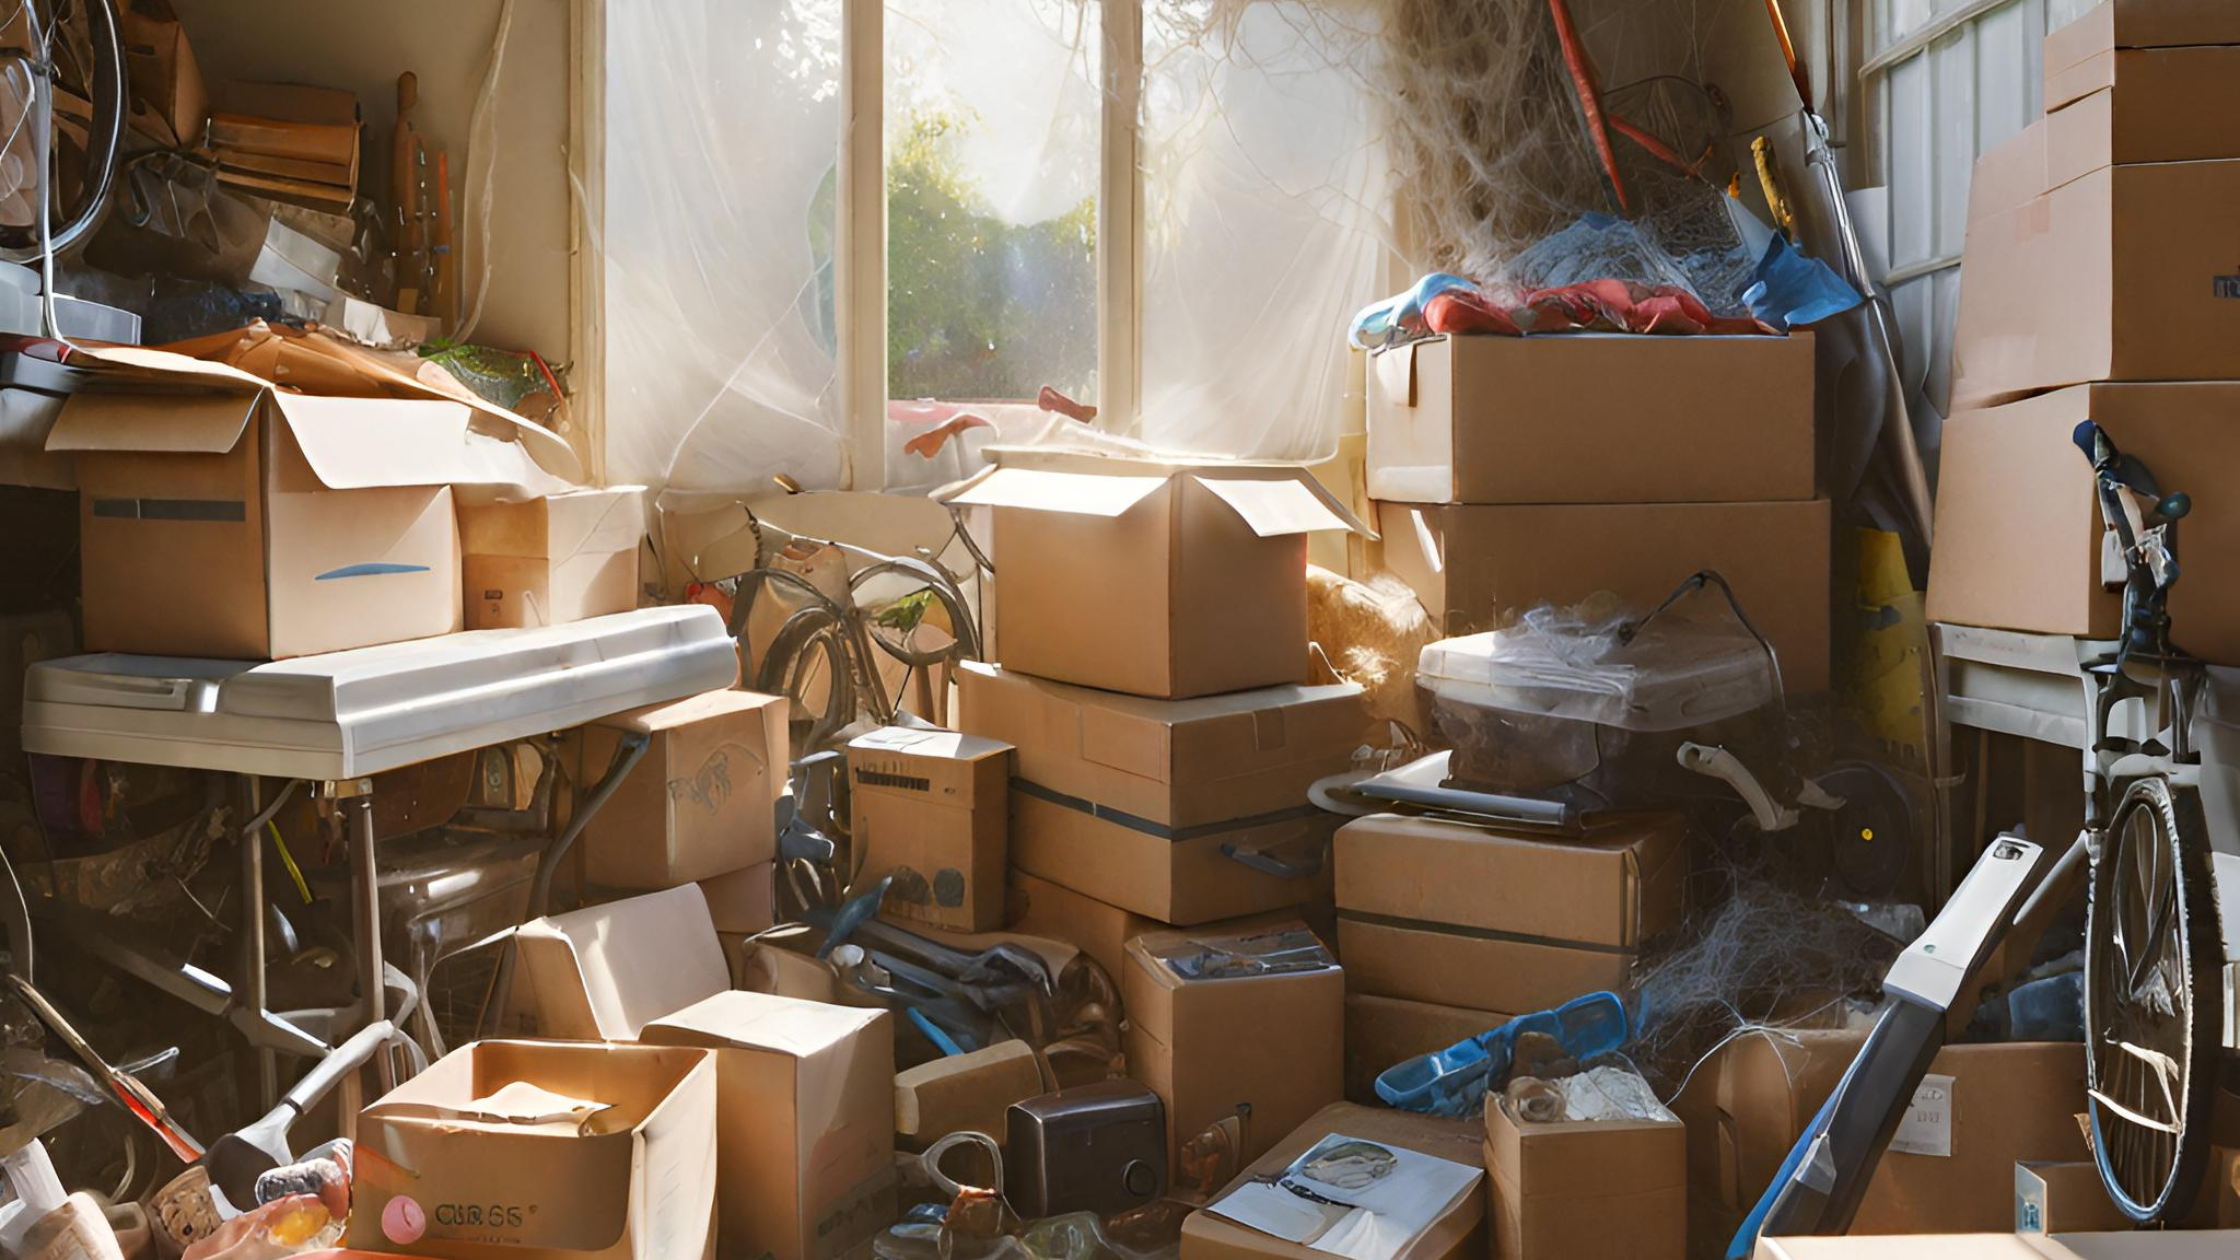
[(1152, 625), (2100, 284)]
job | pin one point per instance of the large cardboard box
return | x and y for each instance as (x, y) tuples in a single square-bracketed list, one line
[(513, 1150), (1592, 418), (1615, 1188), (1210, 1047), (604, 972), (932, 809), (1744, 1110), (703, 801), (1141, 803), (2082, 271), (1382, 1032), (805, 1112), (549, 561), (1459, 914), (1166, 580), (2125, 24), (1989, 1106), (1458, 1234), (1477, 565), (222, 518), (2018, 518), (1038, 907)]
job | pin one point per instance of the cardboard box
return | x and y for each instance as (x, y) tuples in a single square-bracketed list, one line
[(604, 972), (1101, 930), (1744, 1111), (222, 518), (507, 1150), (965, 1093), (931, 809), (2063, 1197), (549, 561), (1475, 565), (1165, 580), (743, 902), (805, 1105), (1459, 1234), (703, 801), (1614, 1188), (165, 78), (1382, 1032), (2121, 24), (1134, 801), (1207, 1047), (2018, 519), (1907, 1247), (1643, 420), (2141, 105), (1458, 914), (2132, 256), (1991, 1106)]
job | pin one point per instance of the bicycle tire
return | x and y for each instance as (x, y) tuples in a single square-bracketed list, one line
[(963, 628), (105, 139), (2153, 1176), (811, 629)]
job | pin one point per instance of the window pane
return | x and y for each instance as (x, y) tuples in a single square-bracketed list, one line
[(992, 130)]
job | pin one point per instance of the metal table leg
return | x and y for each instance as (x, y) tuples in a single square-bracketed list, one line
[(365, 887), (246, 807)]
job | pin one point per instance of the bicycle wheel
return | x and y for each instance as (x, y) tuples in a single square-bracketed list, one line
[(808, 663), (87, 53), (2153, 1003)]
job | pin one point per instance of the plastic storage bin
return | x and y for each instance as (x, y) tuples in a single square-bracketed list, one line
[(1563, 705)]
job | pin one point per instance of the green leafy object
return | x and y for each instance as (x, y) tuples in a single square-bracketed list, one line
[(905, 614)]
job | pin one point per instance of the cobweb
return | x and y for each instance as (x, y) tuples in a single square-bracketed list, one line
[(1764, 957)]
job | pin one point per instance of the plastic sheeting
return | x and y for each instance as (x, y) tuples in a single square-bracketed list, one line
[(723, 133)]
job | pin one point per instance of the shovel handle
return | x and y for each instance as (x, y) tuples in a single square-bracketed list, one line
[(346, 1058)]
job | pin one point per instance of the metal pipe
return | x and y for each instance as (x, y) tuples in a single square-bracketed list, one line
[(253, 927), (627, 754), (365, 887)]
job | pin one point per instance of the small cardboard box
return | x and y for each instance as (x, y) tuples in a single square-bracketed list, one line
[(1207, 1047), (704, 800), (2133, 256), (604, 972), (743, 902), (1155, 579), (222, 518), (512, 1150), (2063, 1197), (1608, 1187), (932, 809), (1458, 914), (805, 1111), (1382, 1032), (1038, 907), (549, 561), (1459, 1233), (1141, 803), (1643, 420), (1745, 1110), (1476, 565), (966, 1092), (1980, 1110), (2018, 518)]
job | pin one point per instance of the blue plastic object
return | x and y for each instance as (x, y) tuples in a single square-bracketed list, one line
[(1453, 1082), (1401, 316), (1791, 288)]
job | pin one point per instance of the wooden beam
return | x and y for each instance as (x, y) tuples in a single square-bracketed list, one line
[(1120, 223), (587, 176), (860, 270)]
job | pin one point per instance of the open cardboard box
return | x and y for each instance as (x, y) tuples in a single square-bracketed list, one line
[(223, 518), (1164, 579), (1606, 1188), (513, 1150)]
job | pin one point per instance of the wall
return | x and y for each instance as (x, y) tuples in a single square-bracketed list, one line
[(446, 43)]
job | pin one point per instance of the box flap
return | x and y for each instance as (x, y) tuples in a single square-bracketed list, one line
[(656, 718), (1039, 490), (761, 1021), (171, 424), (358, 443), (634, 961), (1395, 367), (1277, 508)]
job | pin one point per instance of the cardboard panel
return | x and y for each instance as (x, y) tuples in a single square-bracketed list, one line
[(1238, 617), (1621, 1183), (604, 972), (1422, 963), (2139, 24), (1181, 881), (1384, 1031), (1087, 598)]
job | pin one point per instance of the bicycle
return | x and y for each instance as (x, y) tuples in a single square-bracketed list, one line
[(70, 66), (809, 613), (2154, 946)]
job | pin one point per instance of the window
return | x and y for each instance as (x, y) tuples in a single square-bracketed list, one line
[(830, 225)]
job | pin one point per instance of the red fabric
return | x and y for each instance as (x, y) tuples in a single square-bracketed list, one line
[(1596, 306)]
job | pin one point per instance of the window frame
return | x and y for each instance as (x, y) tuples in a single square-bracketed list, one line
[(860, 280)]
